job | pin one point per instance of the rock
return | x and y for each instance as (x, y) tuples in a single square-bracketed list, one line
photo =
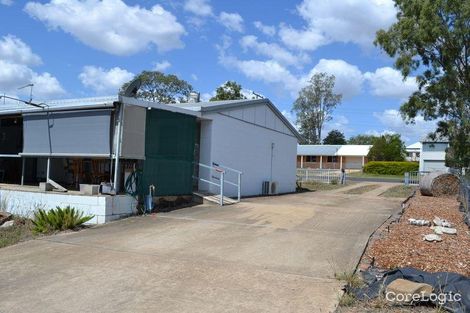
[(432, 238), (441, 222), (419, 222), (7, 224), (444, 230), (4, 216), (404, 291)]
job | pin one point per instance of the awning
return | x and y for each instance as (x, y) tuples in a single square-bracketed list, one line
[(85, 133)]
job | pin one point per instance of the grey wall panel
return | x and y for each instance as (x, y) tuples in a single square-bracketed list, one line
[(133, 133), (80, 133)]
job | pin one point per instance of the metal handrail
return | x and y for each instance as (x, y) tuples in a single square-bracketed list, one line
[(222, 171), (227, 168)]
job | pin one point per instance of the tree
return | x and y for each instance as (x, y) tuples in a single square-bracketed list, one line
[(334, 137), (158, 87), (432, 38), (387, 148), (228, 91), (362, 140), (314, 106)]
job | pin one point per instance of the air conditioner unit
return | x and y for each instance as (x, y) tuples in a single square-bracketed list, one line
[(269, 187)]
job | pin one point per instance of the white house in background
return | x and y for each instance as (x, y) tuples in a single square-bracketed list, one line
[(433, 155), (413, 151), (332, 156)]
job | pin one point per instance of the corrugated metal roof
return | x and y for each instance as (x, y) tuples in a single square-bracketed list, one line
[(415, 146), (15, 107), (317, 149), (354, 150), (339, 150)]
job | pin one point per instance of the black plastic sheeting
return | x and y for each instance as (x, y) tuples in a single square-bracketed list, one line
[(444, 285)]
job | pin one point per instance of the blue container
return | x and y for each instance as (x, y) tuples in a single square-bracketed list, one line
[(148, 203)]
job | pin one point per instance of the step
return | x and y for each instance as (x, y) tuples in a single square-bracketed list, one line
[(213, 198)]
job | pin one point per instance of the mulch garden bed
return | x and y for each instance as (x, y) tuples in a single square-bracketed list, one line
[(401, 244)]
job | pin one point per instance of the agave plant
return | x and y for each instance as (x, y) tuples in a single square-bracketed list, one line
[(58, 219)]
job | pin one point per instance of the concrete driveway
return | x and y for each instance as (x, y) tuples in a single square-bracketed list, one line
[(275, 254)]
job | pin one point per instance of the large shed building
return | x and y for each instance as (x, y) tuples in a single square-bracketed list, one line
[(233, 148)]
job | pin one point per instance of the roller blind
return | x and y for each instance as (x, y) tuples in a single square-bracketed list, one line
[(71, 133)]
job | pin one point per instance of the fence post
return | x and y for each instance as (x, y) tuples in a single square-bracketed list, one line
[(306, 174), (222, 188), (407, 178)]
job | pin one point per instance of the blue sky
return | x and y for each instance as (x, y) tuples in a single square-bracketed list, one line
[(72, 48)]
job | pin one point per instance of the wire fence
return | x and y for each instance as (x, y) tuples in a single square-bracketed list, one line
[(327, 176)]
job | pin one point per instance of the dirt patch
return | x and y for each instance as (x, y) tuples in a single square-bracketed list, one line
[(362, 189), (317, 186), (379, 306), (21, 230), (402, 244), (401, 191)]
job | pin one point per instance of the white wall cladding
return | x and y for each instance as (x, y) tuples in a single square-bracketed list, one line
[(260, 115), (242, 138), (105, 207), (432, 157)]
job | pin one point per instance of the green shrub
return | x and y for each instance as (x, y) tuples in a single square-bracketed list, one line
[(390, 167), (58, 219)]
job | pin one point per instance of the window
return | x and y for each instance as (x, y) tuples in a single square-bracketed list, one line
[(332, 159), (310, 158)]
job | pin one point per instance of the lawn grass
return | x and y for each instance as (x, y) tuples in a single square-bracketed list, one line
[(20, 231), (400, 191), (362, 189), (317, 186), (368, 175)]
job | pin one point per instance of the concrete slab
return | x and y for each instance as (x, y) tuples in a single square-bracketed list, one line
[(274, 254)]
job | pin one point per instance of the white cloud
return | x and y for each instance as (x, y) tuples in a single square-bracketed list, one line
[(16, 59), (194, 77), (339, 122), (305, 39), (265, 29), (291, 118), (273, 51), (46, 85), (348, 80), (14, 50), (111, 25), (393, 122), (6, 2), (102, 80), (198, 7), (388, 82), (232, 21), (13, 75), (354, 21), (162, 66), (268, 71)]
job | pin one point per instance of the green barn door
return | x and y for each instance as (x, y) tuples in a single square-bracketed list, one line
[(169, 152)]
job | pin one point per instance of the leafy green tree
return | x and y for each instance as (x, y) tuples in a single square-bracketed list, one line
[(387, 148), (432, 38), (228, 91), (315, 105), (334, 137), (362, 140), (158, 87)]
